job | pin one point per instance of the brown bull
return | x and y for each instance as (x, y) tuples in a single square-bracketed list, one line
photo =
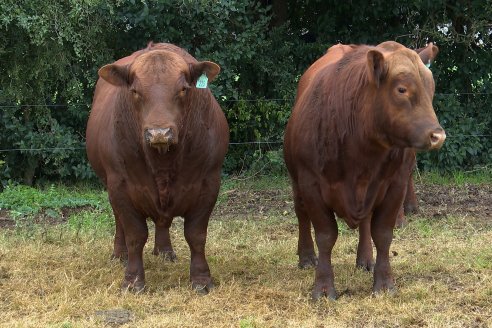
[(350, 146), (157, 143)]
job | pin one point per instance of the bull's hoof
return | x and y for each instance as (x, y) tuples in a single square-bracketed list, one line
[(120, 256), (323, 291), (167, 255), (410, 209), (307, 262), (136, 286), (366, 265), (202, 289), (401, 223), (381, 287)]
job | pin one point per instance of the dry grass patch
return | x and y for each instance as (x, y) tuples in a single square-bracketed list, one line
[(59, 277)]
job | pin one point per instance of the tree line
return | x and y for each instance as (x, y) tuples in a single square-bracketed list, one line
[(50, 51)]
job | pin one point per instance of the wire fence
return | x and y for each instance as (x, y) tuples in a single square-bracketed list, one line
[(245, 143), (235, 143), (224, 101)]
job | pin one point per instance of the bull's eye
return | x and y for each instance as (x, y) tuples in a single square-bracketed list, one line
[(402, 90), (183, 90)]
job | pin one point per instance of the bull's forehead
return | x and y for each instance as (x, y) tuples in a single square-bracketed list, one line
[(159, 65), (407, 62)]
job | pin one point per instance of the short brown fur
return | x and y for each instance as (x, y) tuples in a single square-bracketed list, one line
[(349, 148), (158, 144)]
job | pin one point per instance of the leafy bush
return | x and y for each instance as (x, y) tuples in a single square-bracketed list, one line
[(50, 52)]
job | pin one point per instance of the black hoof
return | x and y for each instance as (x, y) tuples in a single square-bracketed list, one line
[(308, 262), (319, 293), (386, 288), (122, 257), (136, 286), (202, 289), (365, 266), (167, 255)]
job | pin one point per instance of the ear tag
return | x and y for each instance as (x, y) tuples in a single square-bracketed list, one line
[(202, 81), (428, 64)]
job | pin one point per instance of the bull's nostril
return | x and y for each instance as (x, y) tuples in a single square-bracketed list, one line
[(168, 133), (147, 135), (157, 137), (434, 138), (437, 139)]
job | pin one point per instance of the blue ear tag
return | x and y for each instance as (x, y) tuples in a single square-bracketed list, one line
[(202, 81), (428, 64)]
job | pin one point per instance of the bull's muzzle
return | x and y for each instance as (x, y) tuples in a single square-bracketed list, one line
[(437, 138), (160, 139)]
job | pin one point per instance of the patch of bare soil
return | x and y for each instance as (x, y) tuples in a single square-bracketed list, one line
[(48, 217), (434, 201), (472, 200), (5, 220), (253, 204)]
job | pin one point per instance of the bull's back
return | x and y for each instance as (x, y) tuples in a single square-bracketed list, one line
[(333, 55)]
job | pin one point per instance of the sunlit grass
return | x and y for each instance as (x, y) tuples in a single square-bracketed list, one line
[(62, 276)]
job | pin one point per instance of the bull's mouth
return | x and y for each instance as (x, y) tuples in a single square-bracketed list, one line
[(161, 148)]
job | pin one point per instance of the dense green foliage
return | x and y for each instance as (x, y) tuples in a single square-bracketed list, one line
[(50, 52)]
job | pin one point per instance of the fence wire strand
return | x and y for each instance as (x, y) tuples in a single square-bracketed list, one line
[(238, 143), (229, 100)]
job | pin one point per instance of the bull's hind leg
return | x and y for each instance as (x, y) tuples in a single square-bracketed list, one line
[(410, 204), (162, 245), (305, 245), (364, 250), (119, 251)]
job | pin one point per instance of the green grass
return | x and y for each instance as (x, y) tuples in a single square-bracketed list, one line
[(24, 200), (61, 275), (58, 278), (459, 178)]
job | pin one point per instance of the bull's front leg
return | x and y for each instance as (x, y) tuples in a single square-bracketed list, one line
[(326, 233), (136, 234), (305, 245), (195, 230), (134, 228), (382, 225)]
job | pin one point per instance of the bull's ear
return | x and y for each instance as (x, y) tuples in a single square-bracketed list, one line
[(376, 67), (428, 53), (205, 67), (115, 74)]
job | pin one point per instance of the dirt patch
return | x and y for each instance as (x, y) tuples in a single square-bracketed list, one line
[(472, 200), (434, 201), (46, 216), (5, 220), (253, 204)]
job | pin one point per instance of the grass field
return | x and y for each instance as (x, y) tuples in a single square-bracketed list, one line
[(55, 267)]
